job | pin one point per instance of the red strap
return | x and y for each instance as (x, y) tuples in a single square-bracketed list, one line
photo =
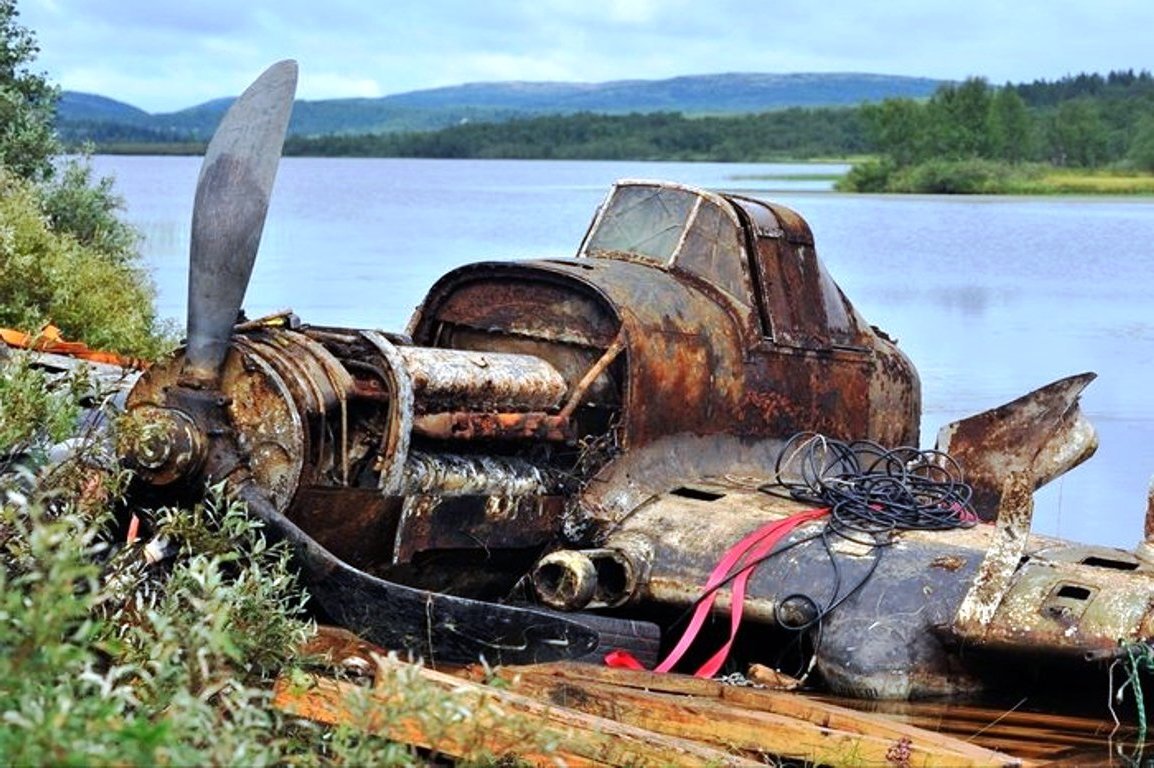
[(750, 549), (622, 660)]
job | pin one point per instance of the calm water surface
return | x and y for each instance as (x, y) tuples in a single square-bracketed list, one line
[(990, 297)]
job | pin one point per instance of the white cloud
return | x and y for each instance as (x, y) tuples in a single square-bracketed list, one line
[(168, 55), (332, 85)]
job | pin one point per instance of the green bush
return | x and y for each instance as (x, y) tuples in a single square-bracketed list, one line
[(947, 177), (96, 296), (33, 411), (79, 204), (867, 176), (121, 665)]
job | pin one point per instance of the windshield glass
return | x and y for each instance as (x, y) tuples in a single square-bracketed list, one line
[(672, 226), (643, 221)]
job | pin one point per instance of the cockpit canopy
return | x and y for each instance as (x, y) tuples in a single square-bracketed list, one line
[(759, 254), (673, 226)]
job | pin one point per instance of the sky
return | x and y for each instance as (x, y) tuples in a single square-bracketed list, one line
[(165, 55)]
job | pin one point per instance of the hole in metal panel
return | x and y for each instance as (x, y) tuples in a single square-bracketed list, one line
[(1074, 592), (697, 493), (1106, 562)]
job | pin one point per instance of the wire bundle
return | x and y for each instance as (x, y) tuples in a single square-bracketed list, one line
[(872, 491)]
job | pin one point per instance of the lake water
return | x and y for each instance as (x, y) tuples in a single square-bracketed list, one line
[(991, 297)]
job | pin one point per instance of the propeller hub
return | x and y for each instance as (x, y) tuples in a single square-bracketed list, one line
[(165, 445)]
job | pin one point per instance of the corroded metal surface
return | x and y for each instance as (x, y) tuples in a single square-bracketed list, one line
[(450, 474), (596, 431), (430, 524), (1002, 559), (470, 425), (448, 379), (1042, 434)]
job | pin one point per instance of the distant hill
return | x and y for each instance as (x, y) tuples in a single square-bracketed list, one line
[(97, 118), (693, 94), (74, 106)]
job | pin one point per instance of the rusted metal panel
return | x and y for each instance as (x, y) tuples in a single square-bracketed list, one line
[(1042, 434), (502, 295), (468, 425), (1069, 609), (448, 379), (788, 277), (474, 522), (357, 525), (1002, 559), (895, 398)]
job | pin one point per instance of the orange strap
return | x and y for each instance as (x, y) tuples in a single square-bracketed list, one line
[(50, 340)]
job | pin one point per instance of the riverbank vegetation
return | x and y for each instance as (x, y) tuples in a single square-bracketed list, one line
[(780, 135), (66, 258), (1085, 135)]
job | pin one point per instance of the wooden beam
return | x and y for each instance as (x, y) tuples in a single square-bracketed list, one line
[(493, 721), (750, 721)]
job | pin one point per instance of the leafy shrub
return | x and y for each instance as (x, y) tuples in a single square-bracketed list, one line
[(94, 296), (116, 665), (868, 176), (34, 411), (952, 177), (947, 177), (87, 208)]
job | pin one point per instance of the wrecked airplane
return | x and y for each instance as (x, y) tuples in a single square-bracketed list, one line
[(682, 444)]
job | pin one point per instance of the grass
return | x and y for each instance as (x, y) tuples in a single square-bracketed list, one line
[(988, 177), (1091, 183)]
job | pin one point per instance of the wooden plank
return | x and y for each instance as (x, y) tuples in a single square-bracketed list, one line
[(1023, 734), (494, 721), (1034, 735), (752, 721)]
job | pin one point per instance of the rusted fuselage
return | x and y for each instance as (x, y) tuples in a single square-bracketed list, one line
[(684, 314), (557, 432), (719, 315)]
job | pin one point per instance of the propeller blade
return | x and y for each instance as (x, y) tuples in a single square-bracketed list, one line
[(232, 198)]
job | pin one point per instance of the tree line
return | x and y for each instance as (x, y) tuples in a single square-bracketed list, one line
[(788, 133), (1087, 122), (1083, 121)]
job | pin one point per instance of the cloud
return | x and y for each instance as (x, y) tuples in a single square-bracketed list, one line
[(335, 85), (163, 56)]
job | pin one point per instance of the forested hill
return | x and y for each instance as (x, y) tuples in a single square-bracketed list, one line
[(100, 119), (691, 95)]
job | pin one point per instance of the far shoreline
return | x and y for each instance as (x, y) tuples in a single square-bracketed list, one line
[(1039, 180)]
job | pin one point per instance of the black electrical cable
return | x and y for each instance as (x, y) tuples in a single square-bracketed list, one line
[(872, 493), (873, 490)]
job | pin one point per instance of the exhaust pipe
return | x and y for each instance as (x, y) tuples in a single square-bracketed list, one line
[(576, 579)]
